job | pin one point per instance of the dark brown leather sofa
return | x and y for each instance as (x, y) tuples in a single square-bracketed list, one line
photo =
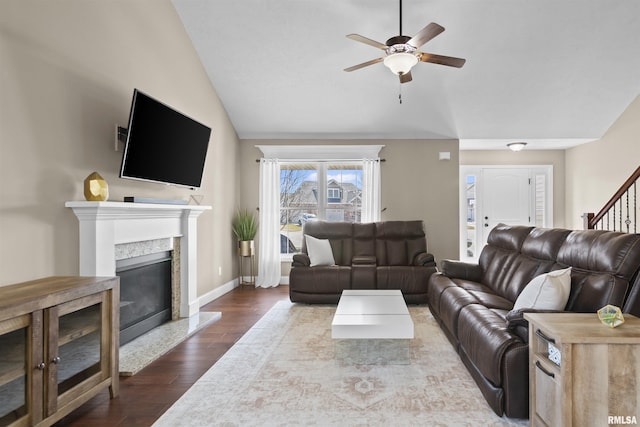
[(473, 302), (380, 255)]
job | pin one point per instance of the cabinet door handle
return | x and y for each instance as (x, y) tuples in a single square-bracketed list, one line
[(56, 360), (539, 366), (41, 366), (544, 337)]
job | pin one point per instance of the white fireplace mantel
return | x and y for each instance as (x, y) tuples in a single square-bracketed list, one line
[(103, 225)]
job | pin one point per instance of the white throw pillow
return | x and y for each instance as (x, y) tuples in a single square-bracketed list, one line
[(549, 291), (319, 251)]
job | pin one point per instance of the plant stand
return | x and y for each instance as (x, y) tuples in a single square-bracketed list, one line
[(241, 264), (245, 250)]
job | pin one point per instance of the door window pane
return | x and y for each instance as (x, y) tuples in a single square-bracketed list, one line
[(539, 182), (471, 241)]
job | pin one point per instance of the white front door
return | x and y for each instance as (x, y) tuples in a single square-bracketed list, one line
[(490, 195), (506, 199)]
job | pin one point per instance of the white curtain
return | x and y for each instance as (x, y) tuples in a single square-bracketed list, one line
[(370, 190), (269, 231)]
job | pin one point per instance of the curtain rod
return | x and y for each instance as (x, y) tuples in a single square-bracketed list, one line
[(322, 160)]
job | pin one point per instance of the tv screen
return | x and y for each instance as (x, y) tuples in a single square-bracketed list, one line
[(163, 145)]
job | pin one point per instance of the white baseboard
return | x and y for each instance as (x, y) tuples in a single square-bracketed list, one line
[(228, 287), (217, 292)]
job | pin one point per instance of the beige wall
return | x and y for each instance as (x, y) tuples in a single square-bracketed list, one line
[(556, 158), (68, 69), (415, 185), (595, 171)]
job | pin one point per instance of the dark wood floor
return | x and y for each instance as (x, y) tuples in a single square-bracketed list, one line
[(148, 394)]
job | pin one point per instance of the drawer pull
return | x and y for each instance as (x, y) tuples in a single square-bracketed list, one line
[(544, 337), (539, 366)]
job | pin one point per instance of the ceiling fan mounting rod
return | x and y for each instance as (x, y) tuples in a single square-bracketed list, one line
[(400, 33)]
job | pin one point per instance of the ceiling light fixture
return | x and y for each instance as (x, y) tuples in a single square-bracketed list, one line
[(400, 63), (516, 146)]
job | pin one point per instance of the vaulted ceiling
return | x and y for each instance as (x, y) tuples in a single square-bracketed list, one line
[(553, 73)]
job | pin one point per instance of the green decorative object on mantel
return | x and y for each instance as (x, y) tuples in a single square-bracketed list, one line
[(96, 188)]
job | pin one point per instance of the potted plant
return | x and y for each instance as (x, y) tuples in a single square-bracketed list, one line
[(245, 227)]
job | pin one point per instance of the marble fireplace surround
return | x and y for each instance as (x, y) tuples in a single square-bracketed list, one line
[(105, 225)]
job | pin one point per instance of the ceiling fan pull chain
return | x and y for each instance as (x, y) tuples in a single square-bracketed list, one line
[(400, 93)]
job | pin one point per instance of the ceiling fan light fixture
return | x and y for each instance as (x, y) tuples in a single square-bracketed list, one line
[(516, 146), (401, 62)]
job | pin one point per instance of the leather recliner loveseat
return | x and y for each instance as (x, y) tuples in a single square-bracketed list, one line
[(473, 302), (380, 255)]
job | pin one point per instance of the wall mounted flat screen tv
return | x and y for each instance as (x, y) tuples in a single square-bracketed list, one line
[(163, 145)]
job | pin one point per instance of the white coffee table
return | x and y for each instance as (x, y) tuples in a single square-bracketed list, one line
[(372, 314), (372, 327)]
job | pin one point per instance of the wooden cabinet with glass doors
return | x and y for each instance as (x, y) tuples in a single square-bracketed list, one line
[(58, 346)]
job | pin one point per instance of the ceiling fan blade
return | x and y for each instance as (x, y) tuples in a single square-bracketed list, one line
[(406, 77), (449, 61), (425, 34), (362, 39), (364, 64)]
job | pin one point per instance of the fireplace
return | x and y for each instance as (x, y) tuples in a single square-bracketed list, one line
[(145, 293), (105, 226)]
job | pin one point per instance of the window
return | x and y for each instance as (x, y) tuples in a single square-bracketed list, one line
[(310, 191), (330, 182), (333, 194)]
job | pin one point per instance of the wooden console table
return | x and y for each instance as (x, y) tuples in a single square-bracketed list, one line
[(595, 380), (59, 341)]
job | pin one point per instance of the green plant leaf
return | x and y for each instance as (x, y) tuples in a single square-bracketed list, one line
[(245, 225)]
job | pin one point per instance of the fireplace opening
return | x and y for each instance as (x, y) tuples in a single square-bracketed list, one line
[(145, 293)]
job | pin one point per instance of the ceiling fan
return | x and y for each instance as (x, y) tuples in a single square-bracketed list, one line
[(401, 52)]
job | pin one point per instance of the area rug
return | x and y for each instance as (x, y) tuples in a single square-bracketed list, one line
[(283, 372)]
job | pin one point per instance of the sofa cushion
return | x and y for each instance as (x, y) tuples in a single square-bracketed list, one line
[(604, 266), (591, 291), (514, 255), (451, 302), (544, 243), (602, 251), (438, 282), (548, 291), (319, 251), (339, 234), (461, 270), (506, 272), (410, 279), (322, 285), (399, 242), (364, 239), (484, 335)]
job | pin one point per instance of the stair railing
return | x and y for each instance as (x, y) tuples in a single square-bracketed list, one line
[(620, 213)]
